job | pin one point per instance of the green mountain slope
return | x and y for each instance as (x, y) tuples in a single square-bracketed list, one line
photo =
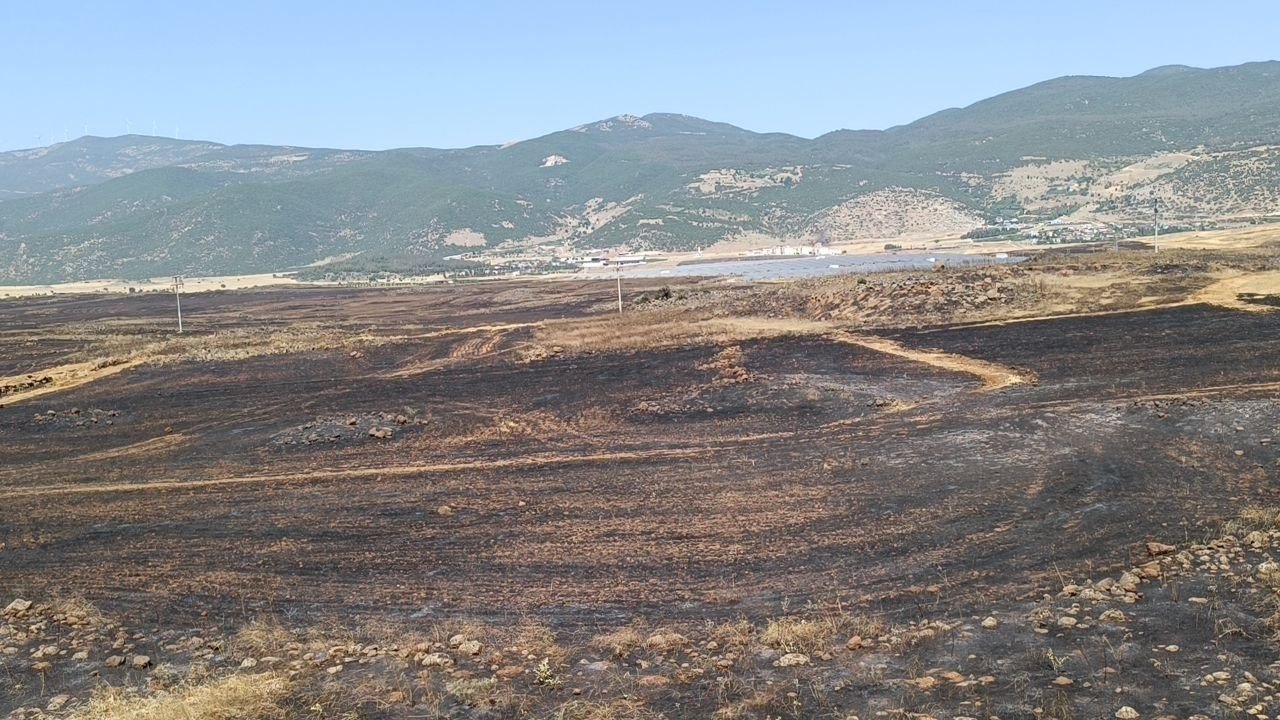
[(136, 206)]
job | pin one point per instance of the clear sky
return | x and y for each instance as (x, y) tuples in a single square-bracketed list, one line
[(376, 73)]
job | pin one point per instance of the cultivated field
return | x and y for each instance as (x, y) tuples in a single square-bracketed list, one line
[(1034, 491)]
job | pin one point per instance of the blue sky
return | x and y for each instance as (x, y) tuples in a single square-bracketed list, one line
[(391, 74)]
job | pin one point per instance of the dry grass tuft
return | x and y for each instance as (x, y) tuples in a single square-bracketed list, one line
[(613, 710), (799, 634), (620, 642), (811, 634), (752, 706), (481, 693), (260, 638), (1254, 517), (736, 633), (238, 697), (77, 609), (537, 639)]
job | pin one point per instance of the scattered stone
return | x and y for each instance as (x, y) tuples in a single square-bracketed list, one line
[(437, 660), (18, 606), (139, 662), (792, 660), (57, 702), (653, 681), (1067, 621), (666, 641), (1114, 617), (928, 682), (509, 672), (248, 663), (1126, 713), (990, 623), (1063, 681), (115, 661), (1155, 549), (444, 511)]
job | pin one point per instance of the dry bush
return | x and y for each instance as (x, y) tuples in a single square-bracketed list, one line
[(238, 697)]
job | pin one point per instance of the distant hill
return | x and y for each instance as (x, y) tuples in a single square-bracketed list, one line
[(1087, 149)]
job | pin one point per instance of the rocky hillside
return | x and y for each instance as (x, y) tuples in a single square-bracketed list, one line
[(1076, 149)]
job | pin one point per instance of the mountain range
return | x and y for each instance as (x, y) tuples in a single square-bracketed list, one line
[(1091, 150)]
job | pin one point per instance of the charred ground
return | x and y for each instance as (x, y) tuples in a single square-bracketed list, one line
[(679, 473)]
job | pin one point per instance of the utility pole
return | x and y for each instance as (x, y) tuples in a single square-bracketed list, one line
[(1155, 206), (619, 269), (177, 295)]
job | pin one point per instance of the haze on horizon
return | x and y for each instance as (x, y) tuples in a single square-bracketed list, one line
[(452, 74)]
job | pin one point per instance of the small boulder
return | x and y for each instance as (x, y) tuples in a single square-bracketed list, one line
[(115, 661), (990, 623), (792, 660), (1127, 713), (139, 662), (1155, 549), (437, 660)]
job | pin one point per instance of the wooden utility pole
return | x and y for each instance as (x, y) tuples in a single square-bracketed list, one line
[(177, 295), (1155, 205), (619, 270)]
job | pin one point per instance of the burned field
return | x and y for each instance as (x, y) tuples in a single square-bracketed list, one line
[(442, 457)]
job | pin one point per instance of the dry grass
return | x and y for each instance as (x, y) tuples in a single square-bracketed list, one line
[(588, 425), (234, 344), (813, 634), (481, 693), (78, 610), (620, 642), (260, 638), (752, 706), (736, 633), (538, 640), (1254, 517), (238, 697), (613, 710), (657, 329)]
